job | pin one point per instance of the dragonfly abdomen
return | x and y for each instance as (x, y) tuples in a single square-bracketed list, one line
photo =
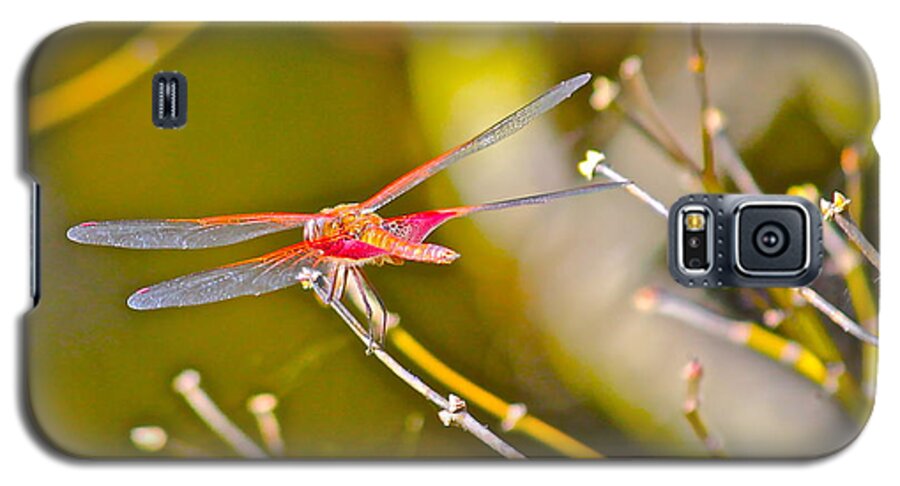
[(407, 250)]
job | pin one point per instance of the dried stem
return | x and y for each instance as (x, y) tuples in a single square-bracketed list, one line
[(636, 91), (851, 267), (836, 316), (693, 373), (743, 333), (833, 210), (593, 165), (262, 407), (850, 161), (698, 66), (514, 416), (859, 239), (452, 411), (727, 156), (187, 384)]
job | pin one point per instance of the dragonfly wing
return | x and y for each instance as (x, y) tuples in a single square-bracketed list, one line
[(270, 272), (416, 227), (184, 234), (502, 129), (282, 268)]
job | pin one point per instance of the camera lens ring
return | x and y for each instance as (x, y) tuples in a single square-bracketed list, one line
[(694, 242), (770, 239)]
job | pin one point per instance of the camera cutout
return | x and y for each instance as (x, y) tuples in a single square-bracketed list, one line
[(169, 97), (772, 238), (694, 240), (738, 240)]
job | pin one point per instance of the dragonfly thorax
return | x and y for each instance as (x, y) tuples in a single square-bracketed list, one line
[(347, 219)]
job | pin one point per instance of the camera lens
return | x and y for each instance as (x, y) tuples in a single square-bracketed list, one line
[(694, 242), (695, 263), (770, 239)]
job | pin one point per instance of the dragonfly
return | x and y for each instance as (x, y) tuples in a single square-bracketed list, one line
[(337, 242)]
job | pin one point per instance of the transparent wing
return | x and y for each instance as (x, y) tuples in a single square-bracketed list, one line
[(416, 227), (184, 234), (307, 260), (273, 271), (502, 129)]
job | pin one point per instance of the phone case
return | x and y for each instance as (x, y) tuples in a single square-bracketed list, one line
[(264, 165)]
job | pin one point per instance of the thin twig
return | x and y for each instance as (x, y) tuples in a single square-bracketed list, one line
[(637, 91), (859, 239), (853, 271), (452, 411), (693, 373), (698, 66), (606, 97), (833, 210), (592, 165), (743, 333), (842, 320), (727, 156), (514, 416), (262, 407), (187, 384), (850, 162)]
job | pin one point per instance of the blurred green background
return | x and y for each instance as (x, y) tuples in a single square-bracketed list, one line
[(538, 310)]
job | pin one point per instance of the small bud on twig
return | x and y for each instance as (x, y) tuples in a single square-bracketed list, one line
[(262, 407), (455, 407), (605, 93), (588, 166), (833, 210), (514, 413), (187, 384), (692, 374), (149, 438)]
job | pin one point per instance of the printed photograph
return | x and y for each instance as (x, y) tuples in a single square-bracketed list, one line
[(442, 241)]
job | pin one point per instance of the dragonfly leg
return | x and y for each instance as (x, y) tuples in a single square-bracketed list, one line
[(378, 330), (335, 283), (359, 296)]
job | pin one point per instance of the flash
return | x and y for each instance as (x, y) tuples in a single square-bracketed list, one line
[(694, 221)]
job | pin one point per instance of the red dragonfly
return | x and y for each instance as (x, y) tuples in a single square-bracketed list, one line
[(337, 242)]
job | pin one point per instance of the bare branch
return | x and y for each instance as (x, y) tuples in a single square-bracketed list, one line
[(513, 416), (842, 320), (452, 411), (636, 92), (850, 166), (262, 407), (833, 210), (187, 384), (742, 333), (693, 373), (727, 156), (698, 66), (593, 165)]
